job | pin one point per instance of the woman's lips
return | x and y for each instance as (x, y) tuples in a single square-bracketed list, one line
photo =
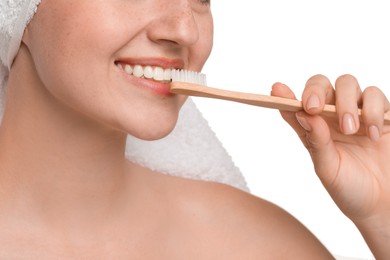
[(154, 78), (156, 73)]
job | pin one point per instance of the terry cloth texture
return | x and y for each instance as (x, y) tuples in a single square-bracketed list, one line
[(192, 150)]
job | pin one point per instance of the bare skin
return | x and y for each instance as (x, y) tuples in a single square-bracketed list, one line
[(350, 154), (160, 217), (66, 190), (101, 206)]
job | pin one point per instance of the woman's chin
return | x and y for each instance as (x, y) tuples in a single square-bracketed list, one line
[(154, 131)]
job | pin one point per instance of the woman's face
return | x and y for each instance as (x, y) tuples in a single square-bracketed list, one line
[(84, 52)]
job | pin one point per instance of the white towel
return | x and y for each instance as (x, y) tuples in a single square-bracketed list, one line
[(192, 150)]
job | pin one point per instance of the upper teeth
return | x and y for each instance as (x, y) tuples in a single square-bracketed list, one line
[(149, 72)]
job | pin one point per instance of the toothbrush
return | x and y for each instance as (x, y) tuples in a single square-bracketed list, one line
[(192, 83)]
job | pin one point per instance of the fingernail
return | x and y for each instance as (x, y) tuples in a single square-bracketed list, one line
[(373, 133), (303, 122), (348, 124), (313, 102)]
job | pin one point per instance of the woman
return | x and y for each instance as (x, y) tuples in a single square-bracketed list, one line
[(73, 94)]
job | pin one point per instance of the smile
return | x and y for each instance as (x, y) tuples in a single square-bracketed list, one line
[(155, 73)]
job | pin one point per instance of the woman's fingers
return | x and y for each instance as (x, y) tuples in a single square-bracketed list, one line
[(313, 129), (318, 92), (318, 141), (348, 100), (281, 90), (375, 105), (347, 97)]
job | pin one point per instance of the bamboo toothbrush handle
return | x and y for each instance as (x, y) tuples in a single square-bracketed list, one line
[(248, 98)]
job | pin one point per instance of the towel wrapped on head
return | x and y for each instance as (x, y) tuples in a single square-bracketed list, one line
[(192, 150)]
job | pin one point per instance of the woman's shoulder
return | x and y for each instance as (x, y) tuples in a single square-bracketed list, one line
[(248, 224), (224, 222)]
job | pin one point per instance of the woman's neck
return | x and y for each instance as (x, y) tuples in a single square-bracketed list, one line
[(56, 158)]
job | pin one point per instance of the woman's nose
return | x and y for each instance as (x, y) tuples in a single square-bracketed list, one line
[(175, 23)]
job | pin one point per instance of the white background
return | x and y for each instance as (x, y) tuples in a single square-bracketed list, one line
[(260, 42)]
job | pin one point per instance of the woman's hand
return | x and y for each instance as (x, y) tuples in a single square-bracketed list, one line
[(351, 154)]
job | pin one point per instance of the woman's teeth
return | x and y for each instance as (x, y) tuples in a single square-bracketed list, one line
[(148, 72)]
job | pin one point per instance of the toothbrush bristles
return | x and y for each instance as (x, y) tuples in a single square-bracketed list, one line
[(188, 76)]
